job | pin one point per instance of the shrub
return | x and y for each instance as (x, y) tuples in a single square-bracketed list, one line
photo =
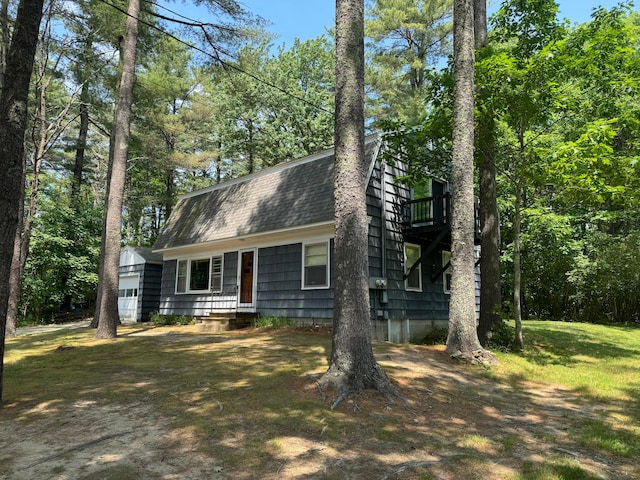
[(277, 322), (437, 336), (160, 320)]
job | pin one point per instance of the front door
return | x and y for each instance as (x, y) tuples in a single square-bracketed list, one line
[(246, 278)]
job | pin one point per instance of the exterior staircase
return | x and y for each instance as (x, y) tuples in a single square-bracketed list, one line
[(217, 322)]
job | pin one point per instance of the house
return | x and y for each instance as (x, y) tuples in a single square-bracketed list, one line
[(262, 245), (139, 278)]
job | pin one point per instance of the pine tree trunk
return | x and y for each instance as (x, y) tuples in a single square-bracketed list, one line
[(13, 123), (81, 145), (17, 269), (21, 251), (518, 342), (353, 367), (490, 288), (107, 305), (462, 340), (5, 33)]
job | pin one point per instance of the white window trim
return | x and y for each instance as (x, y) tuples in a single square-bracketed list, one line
[(188, 279), (407, 267), (445, 254), (221, 256), (328, 266)]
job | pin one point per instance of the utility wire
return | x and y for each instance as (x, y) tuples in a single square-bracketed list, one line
[(215, 56)]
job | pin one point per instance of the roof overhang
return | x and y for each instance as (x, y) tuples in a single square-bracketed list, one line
[(304, 233)]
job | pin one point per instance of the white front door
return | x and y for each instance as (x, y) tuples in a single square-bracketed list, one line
[(128, 297)]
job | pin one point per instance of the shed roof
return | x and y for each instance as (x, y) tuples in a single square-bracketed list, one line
[(139, 255), (289, 195)]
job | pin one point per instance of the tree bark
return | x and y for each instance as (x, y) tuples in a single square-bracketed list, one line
[(107, 305), (5, 38), (17, 269), (462, 340), (490, 288), (13, 122), (81, 145), (353, 366), (21, 251), (480, 23)]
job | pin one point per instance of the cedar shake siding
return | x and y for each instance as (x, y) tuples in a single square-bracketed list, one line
[(279, 210)]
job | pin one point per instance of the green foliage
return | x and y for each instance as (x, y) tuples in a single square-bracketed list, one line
[(62, 268), (276, 322), (161, 320), (407, 40), (437, 336)]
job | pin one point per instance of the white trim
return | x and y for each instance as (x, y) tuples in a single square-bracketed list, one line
[(407, 267), (257, 240), (327, 242), (137, 296), (188, 290), (446, 272), (248, 307)]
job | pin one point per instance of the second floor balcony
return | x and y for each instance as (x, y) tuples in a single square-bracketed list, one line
[(430, 218)]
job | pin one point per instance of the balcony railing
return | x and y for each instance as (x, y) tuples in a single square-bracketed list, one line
[(432, 214)]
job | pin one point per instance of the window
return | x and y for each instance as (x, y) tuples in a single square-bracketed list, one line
[(414, 279), (446, 275), (181, 283), (199, 275), (315, 272), (216, 274)]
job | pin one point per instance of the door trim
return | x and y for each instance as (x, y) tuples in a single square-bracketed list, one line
[(248, 307)]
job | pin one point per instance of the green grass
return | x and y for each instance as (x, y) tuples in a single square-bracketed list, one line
[(600, 361), (239, 395)]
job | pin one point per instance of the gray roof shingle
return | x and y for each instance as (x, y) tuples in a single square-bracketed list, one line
[(286, 196)]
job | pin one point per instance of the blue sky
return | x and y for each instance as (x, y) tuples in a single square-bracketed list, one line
[(308, 19)]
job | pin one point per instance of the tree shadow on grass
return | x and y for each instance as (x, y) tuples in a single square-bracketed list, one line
[(247, 403)]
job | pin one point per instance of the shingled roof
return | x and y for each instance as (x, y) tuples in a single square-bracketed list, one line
[(289, 195)]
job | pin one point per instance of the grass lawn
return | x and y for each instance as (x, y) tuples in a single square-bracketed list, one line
[(166, 402)]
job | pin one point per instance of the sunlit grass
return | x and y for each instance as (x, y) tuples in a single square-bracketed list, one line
[(601, 361)]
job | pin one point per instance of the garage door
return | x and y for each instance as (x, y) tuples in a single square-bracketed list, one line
[(128, 297)]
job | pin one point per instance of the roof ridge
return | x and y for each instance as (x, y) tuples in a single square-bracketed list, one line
[(271, 170)]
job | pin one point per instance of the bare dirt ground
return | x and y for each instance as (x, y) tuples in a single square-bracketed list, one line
[(455, 424)]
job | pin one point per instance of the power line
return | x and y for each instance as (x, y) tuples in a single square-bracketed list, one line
[(217, 50)]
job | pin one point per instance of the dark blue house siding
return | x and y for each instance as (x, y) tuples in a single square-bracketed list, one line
[(193, 305), (150, 275), (385, 233), (280, 290)]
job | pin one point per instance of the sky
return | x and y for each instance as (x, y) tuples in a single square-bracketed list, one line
[(306, 19)]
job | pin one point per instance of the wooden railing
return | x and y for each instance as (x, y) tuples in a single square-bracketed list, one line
[(431, 213), (424, 212)]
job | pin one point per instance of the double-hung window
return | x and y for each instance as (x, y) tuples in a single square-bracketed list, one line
[(413, 280), (446, 274), (199, 275), (315, 265)]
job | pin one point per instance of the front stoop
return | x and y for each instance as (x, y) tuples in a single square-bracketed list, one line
[(218, 322)]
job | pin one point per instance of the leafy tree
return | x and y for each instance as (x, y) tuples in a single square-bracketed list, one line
[(408, 38), (352, 366)]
